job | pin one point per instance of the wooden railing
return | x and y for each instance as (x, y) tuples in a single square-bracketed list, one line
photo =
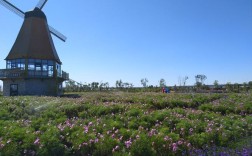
[(11, 73), (18, 73), (65, 75)]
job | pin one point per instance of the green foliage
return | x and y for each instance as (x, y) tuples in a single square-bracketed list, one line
[(124, 123), (142, 147)]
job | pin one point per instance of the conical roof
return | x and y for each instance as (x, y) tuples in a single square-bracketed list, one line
[(34, 40)]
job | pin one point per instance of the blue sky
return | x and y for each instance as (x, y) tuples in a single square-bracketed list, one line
[(110, 40)]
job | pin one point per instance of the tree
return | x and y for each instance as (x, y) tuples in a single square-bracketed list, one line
[(184, 80), (245, 87), (119, 83), (229, 87), (162, 83), (144, 82), (236, 87), (250, 84), (70, 86), (94, 85), (104, 85), (200, 78), (216, 84)]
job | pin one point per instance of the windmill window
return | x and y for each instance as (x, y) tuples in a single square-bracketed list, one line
[(8, 64), (21, 66), (38, 66), (50, 71), (31, 67), (44, 67), (58, 68)]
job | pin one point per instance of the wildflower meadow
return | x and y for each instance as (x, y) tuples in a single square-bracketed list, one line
[(121, 123)]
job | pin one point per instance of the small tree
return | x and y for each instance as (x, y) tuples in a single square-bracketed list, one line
[(245, 87), (184, 80), (119, 83), (250, 84), (229, 87), (216, 84), (94, 85), (144, 82), (162, 83), (200, 78)]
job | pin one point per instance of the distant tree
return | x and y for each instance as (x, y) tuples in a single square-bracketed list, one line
[(216, 84), (162, 83), (200, 78), (119, 83), (94, 85), (250, 84), (245, 86), (144, 82), (198, 85), (70, 86), (104, 86), (185, 79), (237, 87), (229, 87)]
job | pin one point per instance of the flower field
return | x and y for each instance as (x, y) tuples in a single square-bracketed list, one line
[(120, 123)]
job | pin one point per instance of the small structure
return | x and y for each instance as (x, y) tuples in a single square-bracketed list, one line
[(33, 66)]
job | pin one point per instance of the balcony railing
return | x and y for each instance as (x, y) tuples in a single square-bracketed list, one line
[(18, 73), (65, 75), (11, 73)]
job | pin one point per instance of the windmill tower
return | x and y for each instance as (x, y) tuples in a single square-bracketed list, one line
[(33, 66)]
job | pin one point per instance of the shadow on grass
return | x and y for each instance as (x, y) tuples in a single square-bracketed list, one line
[(71, 96)]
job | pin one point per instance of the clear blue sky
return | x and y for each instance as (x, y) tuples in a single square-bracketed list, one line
[(110, 40)]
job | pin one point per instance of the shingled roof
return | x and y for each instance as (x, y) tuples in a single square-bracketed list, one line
[(34, 40)]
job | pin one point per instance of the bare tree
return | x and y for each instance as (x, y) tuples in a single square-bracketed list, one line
[(184, 80)]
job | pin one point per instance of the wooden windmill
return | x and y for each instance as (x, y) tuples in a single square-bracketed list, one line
[(33, 66)]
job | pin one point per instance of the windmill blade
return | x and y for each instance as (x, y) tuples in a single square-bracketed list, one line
[(41, 4), (12, 8), (57, 34)]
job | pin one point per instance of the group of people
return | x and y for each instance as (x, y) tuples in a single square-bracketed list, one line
[(165, 90)]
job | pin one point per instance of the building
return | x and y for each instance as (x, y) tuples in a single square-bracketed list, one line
[(33, 66)]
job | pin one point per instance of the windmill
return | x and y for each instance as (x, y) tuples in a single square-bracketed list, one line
[(21, 14), (33, 66)]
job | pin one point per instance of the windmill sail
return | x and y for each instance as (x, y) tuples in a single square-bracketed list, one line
[(20, 13), (57, 34), (12, 8), (41, 4)]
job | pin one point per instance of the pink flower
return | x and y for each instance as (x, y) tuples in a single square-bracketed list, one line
[(166, 138), (85, 129), (128, 143), (174, 147), (84, 144), (115, 149), (91, 141), (96, 140), (137, 136), (37, 141), (121, 137), (113, 135), (180, 142)]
